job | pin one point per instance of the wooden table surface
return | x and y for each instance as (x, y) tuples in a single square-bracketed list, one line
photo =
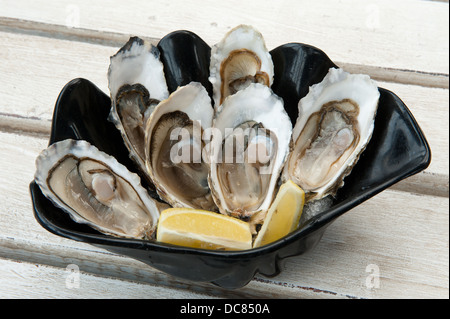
[(394, 245)]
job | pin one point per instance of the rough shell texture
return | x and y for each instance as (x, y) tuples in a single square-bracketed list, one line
[(137, 83), (256, 103), (138, 62), (335, 123), (188, 106), (242, 38), (52, 157)]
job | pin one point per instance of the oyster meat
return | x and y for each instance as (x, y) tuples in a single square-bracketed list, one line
[(239, 59), (95, 189), (174, 147), (335, 123), (137, 84), (248, 149)]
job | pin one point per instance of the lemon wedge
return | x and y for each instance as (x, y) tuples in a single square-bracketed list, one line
[(203, 229), (283, 215)]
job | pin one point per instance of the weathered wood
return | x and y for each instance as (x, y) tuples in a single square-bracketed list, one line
[(113, 39), (431, 113), (406, 35), (425, 183), (404, 235), (22, 280)]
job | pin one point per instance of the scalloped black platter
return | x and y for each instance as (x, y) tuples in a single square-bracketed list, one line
[(398, 149)]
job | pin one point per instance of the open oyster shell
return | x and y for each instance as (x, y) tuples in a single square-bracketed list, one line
[(248, 150), (137, 84), (95, 189), (239, 59), (335, 123), (174, 147)]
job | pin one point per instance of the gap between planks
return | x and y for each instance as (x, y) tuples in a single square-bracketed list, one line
[(403, 76), (30, 126)]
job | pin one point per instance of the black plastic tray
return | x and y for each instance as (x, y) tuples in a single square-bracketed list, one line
[(398, 149)]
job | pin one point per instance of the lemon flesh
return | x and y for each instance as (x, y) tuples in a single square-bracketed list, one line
[(283, 215), (203, 229)]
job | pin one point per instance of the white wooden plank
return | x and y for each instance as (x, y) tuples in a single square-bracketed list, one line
[(28, 91), (432, 115), (22, 280), (42, 67), (411, 35), (430, 108), (404, 235), (13, 25)]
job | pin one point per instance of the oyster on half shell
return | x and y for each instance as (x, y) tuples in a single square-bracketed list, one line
[(95, 189), (174, 147), (335, 123), (248, 150), (239, 59), (137, 84)]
